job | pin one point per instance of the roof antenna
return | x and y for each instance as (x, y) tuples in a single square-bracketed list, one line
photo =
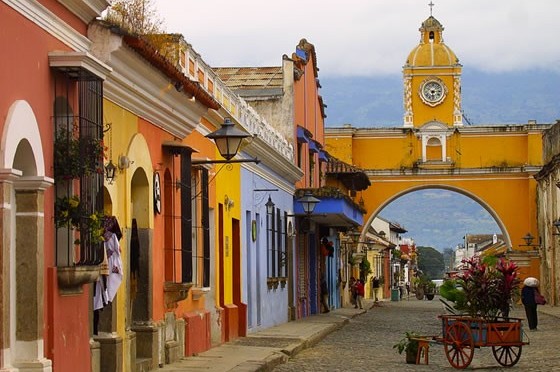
[(431, 5)]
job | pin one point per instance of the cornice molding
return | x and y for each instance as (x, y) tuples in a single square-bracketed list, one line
[(388, 175), (142, 89), (82, 60), (280, 165), (86, 10), (49, 22)]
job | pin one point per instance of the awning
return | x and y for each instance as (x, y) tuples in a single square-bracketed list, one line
[(314, 147), (323, 156), (303, 135)]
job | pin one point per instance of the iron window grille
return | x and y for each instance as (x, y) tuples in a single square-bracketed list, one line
[(78, 169)]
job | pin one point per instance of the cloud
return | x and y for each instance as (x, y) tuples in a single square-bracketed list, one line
[(367, 38)]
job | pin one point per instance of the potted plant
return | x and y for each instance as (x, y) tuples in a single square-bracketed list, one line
[(409, 345), (430, 289)]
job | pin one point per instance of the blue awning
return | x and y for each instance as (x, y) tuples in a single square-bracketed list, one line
[(334, 212), (302, 136), (314, 147), (323, 156)]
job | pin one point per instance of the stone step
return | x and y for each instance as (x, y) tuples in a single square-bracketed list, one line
[(143, 364)]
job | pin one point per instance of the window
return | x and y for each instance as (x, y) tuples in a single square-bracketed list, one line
[(276, 244), (188, 245), (78, 169)]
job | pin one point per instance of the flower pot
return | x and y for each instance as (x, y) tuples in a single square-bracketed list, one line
[(411, 356), (430, 296)]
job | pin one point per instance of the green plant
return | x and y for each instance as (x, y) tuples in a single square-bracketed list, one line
[(70, 212), (76, 156), (365, 268), (408, 343), (486, 288)]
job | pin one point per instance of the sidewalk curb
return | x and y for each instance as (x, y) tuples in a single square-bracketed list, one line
[(281, 357)]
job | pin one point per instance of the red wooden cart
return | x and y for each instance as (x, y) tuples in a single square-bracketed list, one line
[(461, 334)]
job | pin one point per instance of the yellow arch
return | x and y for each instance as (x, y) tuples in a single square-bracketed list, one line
[(458, 190)]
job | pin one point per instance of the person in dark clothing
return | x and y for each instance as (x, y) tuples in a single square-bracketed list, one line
[(528, 300), (325, 295)]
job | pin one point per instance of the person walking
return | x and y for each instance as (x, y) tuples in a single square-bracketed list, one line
[(360, 294), (530, 287), (353, 291), (375, 285), (325, 295)]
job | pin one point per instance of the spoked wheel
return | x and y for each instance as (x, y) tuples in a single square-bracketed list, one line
[(508, 356), (459, 345)]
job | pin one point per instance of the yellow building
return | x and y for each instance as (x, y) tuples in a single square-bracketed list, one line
[(493, 165)]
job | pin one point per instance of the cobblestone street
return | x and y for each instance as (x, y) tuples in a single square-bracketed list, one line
[(366, 343)]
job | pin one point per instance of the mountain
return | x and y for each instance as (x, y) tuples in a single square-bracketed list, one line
[(439, 218), (488, 98)]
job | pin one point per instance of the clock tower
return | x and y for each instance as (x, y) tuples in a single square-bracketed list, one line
[(432, 81)]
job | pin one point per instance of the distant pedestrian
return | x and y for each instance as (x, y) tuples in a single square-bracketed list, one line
[(530, 288), (325, 295), (359, 294), (353, 291), (375, 286)]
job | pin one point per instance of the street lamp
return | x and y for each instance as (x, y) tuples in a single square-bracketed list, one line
[(228, 139), (269, 206), (308, 202), (556, 224), (110, 169), (528, 238)]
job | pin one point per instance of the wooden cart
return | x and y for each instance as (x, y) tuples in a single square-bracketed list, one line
[(461, 334)]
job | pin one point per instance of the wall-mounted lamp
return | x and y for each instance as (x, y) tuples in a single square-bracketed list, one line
[(228, 140), (308, 202), (110, 169), (124, 162), (556, 224), (528, 238), (269, 206), (228, 203)]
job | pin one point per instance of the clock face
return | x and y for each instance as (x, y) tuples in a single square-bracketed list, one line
[(432, 91), (157, 193)]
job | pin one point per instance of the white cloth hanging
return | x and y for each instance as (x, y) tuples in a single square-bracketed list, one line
[(100, 297), (115, 266)]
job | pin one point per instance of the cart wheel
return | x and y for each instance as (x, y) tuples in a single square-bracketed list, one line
[(459, 345), (507, 356)]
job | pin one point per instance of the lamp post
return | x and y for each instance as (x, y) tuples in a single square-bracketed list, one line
[(228, 140)]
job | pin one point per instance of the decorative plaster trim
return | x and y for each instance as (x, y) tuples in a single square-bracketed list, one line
[(33, 183), (142, 89), (280, 165), (86, 10), (82, 60), (49, 22)]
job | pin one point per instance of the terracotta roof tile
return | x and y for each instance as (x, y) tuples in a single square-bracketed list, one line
[(251, 77)]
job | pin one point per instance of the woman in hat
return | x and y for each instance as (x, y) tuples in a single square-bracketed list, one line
[(530, 286)]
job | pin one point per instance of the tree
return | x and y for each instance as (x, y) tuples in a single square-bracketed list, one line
[(135, 16), (430, 262)]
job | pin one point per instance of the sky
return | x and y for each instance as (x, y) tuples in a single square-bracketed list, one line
[(372, 38), (367, 37)]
